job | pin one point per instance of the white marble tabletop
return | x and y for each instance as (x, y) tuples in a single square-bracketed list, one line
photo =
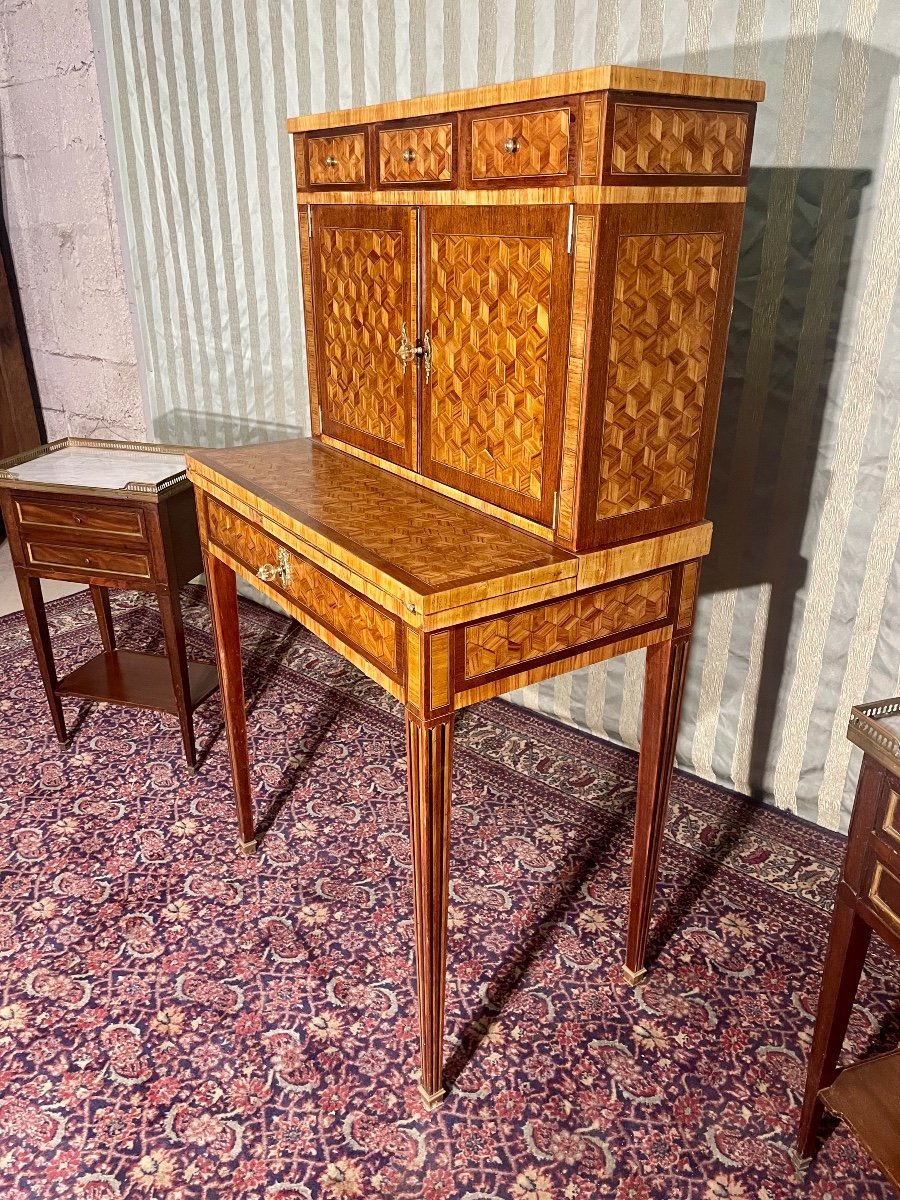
[(87, 466)]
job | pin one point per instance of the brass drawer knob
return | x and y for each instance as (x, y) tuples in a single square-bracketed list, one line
[(331, 161), (409, 155), (511, 145), (282, 572)]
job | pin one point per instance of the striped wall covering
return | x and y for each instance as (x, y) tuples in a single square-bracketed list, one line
[(798, 617)]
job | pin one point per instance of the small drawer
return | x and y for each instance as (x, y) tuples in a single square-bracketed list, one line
[(416, 154), (126, 522), (90, 560), (337, 160), (884, 896), (519, 145), (892, 818)]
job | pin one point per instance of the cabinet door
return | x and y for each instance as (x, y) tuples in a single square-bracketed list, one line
[(495, 304), (364, 293)]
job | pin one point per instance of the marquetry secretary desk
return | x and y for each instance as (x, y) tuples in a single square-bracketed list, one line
[(516, 300)]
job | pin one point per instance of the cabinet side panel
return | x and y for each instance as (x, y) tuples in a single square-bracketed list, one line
[(665, 282), (315, 411)]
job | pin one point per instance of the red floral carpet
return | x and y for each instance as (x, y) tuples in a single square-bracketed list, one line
[(177, 1021)]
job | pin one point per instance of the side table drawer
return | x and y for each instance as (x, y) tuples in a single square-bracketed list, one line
[(90, 560), (124, 522), (884, 895), (353, 618)]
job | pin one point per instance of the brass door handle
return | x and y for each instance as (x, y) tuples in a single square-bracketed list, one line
[(282, 572), (511, 145), (406, 351)]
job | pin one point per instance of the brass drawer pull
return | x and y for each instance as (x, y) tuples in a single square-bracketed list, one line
[(409, 155), (511, 145), (267, 572), (331, 161)]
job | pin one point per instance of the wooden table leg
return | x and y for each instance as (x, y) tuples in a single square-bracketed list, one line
[(222, 589), (100, 597), (848, 942), (36, 616), (429, 751), (663, 689), (176, 651)]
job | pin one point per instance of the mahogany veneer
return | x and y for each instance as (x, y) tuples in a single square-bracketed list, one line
[(516, 304)]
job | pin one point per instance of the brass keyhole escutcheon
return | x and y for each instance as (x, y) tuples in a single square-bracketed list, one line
[(511, 145), (409, 155), (282, 572)]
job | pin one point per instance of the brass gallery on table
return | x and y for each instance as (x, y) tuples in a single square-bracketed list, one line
[(517, 301)]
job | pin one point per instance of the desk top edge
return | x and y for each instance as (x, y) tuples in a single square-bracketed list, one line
[(590, 79)]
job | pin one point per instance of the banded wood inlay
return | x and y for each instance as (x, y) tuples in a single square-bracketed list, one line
[(662, 323), (884, 893), (490, 321), (655, 140), (545, 629), (591, 130), (372, 630), (541, 139), (413, 154), (690, 576)]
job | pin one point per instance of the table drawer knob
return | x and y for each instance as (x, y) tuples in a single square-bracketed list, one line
[(331, 161), (511, 145), (282, 572), (409, 155)]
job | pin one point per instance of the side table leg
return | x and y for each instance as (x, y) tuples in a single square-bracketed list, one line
[(429, 752), (848, 942), (222, 588), (663, 689), (36, 616), (100, 597), (173, 632)]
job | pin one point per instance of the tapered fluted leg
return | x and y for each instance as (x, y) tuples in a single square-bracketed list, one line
[(36, 616), (663, 688), (103, 609), (176, 650), (222, 588), (847, 946), (429, 753)]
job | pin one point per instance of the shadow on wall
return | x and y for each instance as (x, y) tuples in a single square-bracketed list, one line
[(218, 429), (781, 353)]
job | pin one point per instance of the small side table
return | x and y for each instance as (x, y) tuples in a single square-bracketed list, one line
[(866, 1096), (111, 515)]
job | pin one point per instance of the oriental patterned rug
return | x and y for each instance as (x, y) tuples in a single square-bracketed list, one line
[(179, 1022)]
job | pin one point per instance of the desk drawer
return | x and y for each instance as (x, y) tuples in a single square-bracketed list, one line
[(416, 154), (125, 522), (337, 160), (354, 619), (90, 560), (521, 145)]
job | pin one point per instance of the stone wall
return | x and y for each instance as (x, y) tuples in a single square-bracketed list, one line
[(61, 218)]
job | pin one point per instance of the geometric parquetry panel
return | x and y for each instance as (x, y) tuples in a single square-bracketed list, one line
[(429, 149), (541, 144), (564, 624), (490, 329), (662, 320), (653, 140), (362, 273)]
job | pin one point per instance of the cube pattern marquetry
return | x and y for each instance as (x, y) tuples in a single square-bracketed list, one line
[(662, 321), (345, 612), (490, 328), (364, 281), (541, 139), (534, 633), (652, 140), (339, 159), (422, 153)]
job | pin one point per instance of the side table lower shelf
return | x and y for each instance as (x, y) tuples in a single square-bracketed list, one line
[(866, 1097), (137, 680)]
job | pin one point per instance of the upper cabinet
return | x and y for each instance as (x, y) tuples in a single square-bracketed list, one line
[(520, 295)]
